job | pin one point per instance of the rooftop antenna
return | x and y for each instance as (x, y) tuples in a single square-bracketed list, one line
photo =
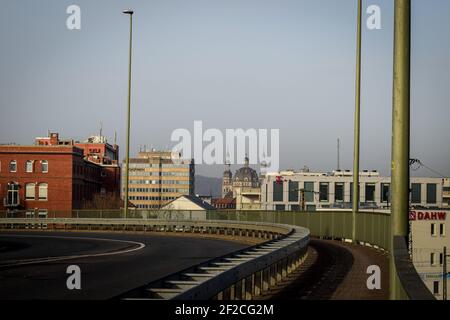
[(115, 137), (101, 128), (338, 156)]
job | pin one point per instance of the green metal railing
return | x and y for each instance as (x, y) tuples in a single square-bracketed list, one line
[(372, 227)]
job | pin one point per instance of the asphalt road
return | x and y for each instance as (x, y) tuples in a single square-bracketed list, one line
[(33, 264)]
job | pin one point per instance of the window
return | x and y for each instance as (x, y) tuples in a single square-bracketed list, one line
[(339, 192), (43, 191), (432, 259), (30, 191), (29, 166), (431, 193), (280, 207), (442, 229), (433, 229), (12, 197), (436, 287), (44, 166), (309, 191), (441, 259), (416, 194), (370, 192), (277, 191), (323, 191), (293, 191), (13, 166), (385, 192), (295, 207)]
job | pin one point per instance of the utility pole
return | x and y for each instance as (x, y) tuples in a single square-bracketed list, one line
[(444, 274), (400, 133), (355, 206), (338, 156), (127, 161)]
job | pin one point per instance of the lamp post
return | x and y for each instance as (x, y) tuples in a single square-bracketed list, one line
[(127, 159), (355, 200), (400, 132)]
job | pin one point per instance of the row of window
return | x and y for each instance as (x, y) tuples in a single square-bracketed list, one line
[(159, 182), (148, 206), (433, 260), (157, 190), (12, 194), (159, 174), (150, 198), (30, 191), (441, 230), (29, 166), (323, 195)]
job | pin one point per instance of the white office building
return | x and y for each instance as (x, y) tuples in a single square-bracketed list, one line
[(430, 231), (282, 191)]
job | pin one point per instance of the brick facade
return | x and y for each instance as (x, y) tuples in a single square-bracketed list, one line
[(72, 179)]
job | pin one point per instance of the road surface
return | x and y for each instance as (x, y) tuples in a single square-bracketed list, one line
[(33, 264)]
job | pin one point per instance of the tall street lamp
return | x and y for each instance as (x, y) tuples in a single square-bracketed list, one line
[(127, 159), (355, 200), (400, 133)]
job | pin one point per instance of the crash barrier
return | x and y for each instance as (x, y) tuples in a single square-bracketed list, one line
[(241, 275)]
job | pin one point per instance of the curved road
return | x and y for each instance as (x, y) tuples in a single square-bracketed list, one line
[(33, 264)]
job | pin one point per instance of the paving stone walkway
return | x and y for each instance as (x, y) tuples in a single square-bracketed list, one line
[(334, 270)]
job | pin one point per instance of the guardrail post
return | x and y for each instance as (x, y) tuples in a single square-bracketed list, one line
[(249, 287), (285, 268), (265, 279), (233, 292), (273, 274), (258, 282), (279, 271), (290, 264)]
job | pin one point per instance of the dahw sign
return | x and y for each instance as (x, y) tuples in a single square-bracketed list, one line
[(427, 215)]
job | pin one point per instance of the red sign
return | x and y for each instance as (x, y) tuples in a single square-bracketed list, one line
[(427, 215)]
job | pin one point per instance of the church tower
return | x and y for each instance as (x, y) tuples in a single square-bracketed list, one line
[(227, 180)]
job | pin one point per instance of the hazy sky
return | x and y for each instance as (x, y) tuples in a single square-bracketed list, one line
[(284, 64)]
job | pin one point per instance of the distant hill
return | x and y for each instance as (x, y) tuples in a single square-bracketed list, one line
[(205, 186)]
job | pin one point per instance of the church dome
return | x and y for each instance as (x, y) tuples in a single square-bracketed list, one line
[(246, 175)]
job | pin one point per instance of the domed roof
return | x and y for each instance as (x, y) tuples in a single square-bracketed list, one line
[(246, 174)]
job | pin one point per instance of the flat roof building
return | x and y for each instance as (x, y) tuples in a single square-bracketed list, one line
[(283, 191), (430, 230), (53, 175), (158, 177)]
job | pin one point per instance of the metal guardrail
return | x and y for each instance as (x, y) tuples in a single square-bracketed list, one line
[(373, 228), (241, 275), (412, 287)]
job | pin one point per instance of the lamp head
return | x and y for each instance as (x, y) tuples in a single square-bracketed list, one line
[(128, 11)]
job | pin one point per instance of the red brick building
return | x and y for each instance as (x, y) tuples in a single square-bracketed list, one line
[(224, 203), (56, 175)]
